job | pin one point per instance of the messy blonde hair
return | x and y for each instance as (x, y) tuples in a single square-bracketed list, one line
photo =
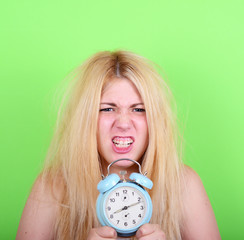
[(73, 159)]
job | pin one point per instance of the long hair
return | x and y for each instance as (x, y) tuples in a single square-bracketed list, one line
[(73, 162)]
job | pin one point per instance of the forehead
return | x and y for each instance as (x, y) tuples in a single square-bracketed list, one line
[(120, 89)]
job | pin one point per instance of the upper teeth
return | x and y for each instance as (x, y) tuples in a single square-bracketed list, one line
[(122, 142)]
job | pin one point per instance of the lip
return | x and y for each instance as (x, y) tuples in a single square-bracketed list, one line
[(122, 150)]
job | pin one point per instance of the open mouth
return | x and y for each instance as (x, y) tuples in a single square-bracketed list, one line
[(122, 142)]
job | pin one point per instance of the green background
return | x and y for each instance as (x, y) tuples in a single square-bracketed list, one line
[(199, 45)]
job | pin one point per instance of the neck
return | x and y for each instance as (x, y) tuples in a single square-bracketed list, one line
[(117, 168)]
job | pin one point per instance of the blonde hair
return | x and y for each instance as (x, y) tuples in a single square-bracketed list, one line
[(73, 159)]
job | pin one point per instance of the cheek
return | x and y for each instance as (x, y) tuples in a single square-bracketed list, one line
[(143, 127), (100, 137), (99, 132), (104, 124)]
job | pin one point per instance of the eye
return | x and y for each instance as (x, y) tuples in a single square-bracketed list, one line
[(106, 110), (139, 110)]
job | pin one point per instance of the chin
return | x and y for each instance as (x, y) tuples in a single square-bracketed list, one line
[(116, 156), (124, 164)]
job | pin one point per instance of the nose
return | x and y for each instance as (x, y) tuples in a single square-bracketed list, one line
[(123, 121)]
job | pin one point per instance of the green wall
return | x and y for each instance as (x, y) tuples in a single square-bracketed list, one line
[(200, 46)]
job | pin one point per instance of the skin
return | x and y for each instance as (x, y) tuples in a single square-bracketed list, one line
[(122, 117), (39, 214), (122, 114)]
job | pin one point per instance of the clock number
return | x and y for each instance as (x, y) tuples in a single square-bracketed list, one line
[(125, 191), (133, 193), (111, 216), (112, 199), (141, 207), (117, 221), (117, 194), (109, 208), (139, 215), (139, 199), (126, 224), (134, 221)]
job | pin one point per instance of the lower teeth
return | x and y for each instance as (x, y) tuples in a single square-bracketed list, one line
[(123, 145)]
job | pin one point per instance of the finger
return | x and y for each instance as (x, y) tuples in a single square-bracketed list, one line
[(148, 229), (105, 232), (145, 230), (155, 236)]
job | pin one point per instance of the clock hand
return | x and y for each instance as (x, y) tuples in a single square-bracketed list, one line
[(120, 210), (126, 207), (133, 204)]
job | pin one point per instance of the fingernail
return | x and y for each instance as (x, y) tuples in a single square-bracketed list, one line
[(139, 233)]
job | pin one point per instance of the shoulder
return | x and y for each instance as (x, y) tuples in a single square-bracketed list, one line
[(40, 211), (198, 217), (191, 180)]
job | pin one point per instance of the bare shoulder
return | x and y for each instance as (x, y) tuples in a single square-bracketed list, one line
[(198, 216), (38, 217)]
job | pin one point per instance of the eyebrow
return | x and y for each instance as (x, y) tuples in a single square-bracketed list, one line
[(114, 105)]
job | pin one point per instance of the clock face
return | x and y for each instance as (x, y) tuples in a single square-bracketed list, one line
[(125, 207)]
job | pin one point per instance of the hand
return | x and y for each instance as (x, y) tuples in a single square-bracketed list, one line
[(102, 233), (149, 232)]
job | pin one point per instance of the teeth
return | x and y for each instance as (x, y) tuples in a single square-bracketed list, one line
[(122, 143)]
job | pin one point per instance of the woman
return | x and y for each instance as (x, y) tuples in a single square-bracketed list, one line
[(119, 108)]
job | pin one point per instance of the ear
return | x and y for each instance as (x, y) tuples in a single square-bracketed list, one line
[(108, 182), (142, 180)]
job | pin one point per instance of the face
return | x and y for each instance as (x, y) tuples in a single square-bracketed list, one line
[(122, 125)]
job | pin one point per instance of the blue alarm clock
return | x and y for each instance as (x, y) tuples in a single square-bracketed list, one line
[(124, 204)]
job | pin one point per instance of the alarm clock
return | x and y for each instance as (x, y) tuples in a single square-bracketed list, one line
[(124, 204)]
